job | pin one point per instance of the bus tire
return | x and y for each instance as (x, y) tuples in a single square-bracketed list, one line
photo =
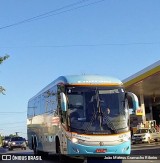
[(62, 158), (35, 146), (32, 145), (58, 148)]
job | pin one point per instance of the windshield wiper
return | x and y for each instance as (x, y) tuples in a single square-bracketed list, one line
[(100, 114), (91, 121), (97, 114)]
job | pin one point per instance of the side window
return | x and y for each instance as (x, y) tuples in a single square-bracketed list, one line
[(42, 103), (53, 99), (35, 107), (49, 101), (39, 105), (31, 108), (46, 99)]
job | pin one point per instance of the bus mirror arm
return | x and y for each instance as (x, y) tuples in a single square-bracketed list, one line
[(134, 100), (63, 101)]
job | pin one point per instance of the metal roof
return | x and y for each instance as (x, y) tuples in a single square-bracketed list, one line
[(146, 82)]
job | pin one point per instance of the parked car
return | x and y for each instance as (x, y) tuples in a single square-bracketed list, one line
[(145, 135), (17, 142), (5, 141)]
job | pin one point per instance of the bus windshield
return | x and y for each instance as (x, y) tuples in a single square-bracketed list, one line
[(97, 110)]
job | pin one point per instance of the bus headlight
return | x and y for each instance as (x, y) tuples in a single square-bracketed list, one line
[(124, 137), (74, 140)]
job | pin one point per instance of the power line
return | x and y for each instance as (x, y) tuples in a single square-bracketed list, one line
[(71, 9), (41, 15), (10, 127), (85, 45), (13, 112), (12, 123), (51, 13)]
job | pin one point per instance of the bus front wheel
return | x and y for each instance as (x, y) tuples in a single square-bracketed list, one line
[(34, 145), (58, 148)]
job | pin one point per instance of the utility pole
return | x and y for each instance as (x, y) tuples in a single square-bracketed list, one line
[(16, 133)]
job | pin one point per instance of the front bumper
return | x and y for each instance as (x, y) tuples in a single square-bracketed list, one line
[(17, 146), (141, 139), (79, 149)]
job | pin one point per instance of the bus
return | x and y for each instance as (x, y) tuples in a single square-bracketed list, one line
[(81, 115)]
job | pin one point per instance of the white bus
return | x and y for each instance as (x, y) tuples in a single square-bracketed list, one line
[(81, 115)]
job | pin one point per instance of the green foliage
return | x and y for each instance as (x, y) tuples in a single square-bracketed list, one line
[(3, 58), (0, 140), (12, 135), (2, 90), (1, 61)]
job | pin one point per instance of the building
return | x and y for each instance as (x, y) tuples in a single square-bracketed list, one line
[(146, 85)]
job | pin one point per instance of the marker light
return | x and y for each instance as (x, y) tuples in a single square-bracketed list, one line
[(74, 140), (124, 138)]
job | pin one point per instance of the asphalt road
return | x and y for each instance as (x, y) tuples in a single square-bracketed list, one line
[(146, 149), (138, 151)]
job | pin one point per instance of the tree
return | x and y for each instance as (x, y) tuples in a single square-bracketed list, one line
[(3, 58), (2, 90), (12, 135)]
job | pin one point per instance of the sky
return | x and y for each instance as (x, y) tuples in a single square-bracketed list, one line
[(47, 39)]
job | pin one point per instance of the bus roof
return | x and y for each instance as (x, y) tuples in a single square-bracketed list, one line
[(88, 79), (82, 80)]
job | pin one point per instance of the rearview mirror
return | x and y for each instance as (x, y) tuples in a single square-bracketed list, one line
[(63, 101), (134, 100)]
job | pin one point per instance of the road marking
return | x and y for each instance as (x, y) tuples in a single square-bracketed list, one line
[(145, 146)]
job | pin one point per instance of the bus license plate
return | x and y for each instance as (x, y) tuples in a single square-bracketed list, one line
[(101, 150)]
